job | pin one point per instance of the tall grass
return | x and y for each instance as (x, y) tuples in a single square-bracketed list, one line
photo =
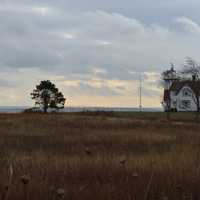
[(85, 157)]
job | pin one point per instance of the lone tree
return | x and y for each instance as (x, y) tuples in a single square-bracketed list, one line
[(46, 95)]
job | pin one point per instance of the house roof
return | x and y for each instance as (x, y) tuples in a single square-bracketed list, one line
[(178, 85)]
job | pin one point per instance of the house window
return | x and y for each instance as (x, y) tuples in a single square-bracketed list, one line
[(186, 104), (187, 93)]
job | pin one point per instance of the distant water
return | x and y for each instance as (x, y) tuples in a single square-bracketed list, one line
[(19, 109)]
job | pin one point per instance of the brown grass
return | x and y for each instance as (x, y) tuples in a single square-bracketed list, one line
[(99, 157)]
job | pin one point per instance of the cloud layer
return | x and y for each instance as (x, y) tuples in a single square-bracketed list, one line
[(94, 52)]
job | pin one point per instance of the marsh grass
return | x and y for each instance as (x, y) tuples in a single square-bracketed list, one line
[(100, 157)]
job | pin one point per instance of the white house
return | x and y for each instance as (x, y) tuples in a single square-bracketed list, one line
[(182, 95), (179, 95)]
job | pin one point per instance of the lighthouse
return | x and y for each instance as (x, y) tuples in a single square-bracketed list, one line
[(169, 77)]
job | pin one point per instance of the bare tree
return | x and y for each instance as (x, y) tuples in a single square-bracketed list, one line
[(191, 70)]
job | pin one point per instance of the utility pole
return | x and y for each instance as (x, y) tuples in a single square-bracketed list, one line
[(140, 94)]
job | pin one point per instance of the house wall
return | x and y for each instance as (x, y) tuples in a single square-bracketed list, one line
[(183, 102)]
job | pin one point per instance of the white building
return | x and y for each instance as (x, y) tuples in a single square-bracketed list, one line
[(179, 95), (182, 95)]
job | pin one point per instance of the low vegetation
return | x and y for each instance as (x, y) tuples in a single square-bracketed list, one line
[(85, 157)]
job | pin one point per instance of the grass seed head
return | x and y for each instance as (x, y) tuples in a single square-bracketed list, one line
[(135, 175), (178, 187), (25, 179), (122, 161), (88, 151), (60, 193)]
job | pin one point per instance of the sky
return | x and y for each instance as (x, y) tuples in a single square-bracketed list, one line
[(95, 51)]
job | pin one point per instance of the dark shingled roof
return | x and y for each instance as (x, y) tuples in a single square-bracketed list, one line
[(178, 85)]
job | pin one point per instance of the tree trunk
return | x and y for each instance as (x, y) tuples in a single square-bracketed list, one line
[(45, 109), (45, 104)]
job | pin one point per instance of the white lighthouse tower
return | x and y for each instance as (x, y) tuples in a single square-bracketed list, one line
[(169, 77)]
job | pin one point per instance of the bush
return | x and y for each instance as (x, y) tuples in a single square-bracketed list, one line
[(32, 110)]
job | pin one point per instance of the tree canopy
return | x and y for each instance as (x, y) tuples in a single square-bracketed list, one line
[(46, 95), (191, 69)]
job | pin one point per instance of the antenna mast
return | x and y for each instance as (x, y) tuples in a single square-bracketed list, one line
[(140, 94)]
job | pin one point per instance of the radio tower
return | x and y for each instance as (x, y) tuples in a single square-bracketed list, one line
[(140, 94)]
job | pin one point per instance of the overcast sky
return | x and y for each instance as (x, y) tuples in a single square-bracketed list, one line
[(94, 50)]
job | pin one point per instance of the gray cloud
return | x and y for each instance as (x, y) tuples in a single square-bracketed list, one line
[(148, 11), (6, 83), (97, 39), (106, 40), (86, 89)]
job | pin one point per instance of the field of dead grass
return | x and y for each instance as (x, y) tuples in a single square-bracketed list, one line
[(98, 157)]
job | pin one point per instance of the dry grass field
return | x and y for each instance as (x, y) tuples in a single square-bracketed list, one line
[(98, 157)]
